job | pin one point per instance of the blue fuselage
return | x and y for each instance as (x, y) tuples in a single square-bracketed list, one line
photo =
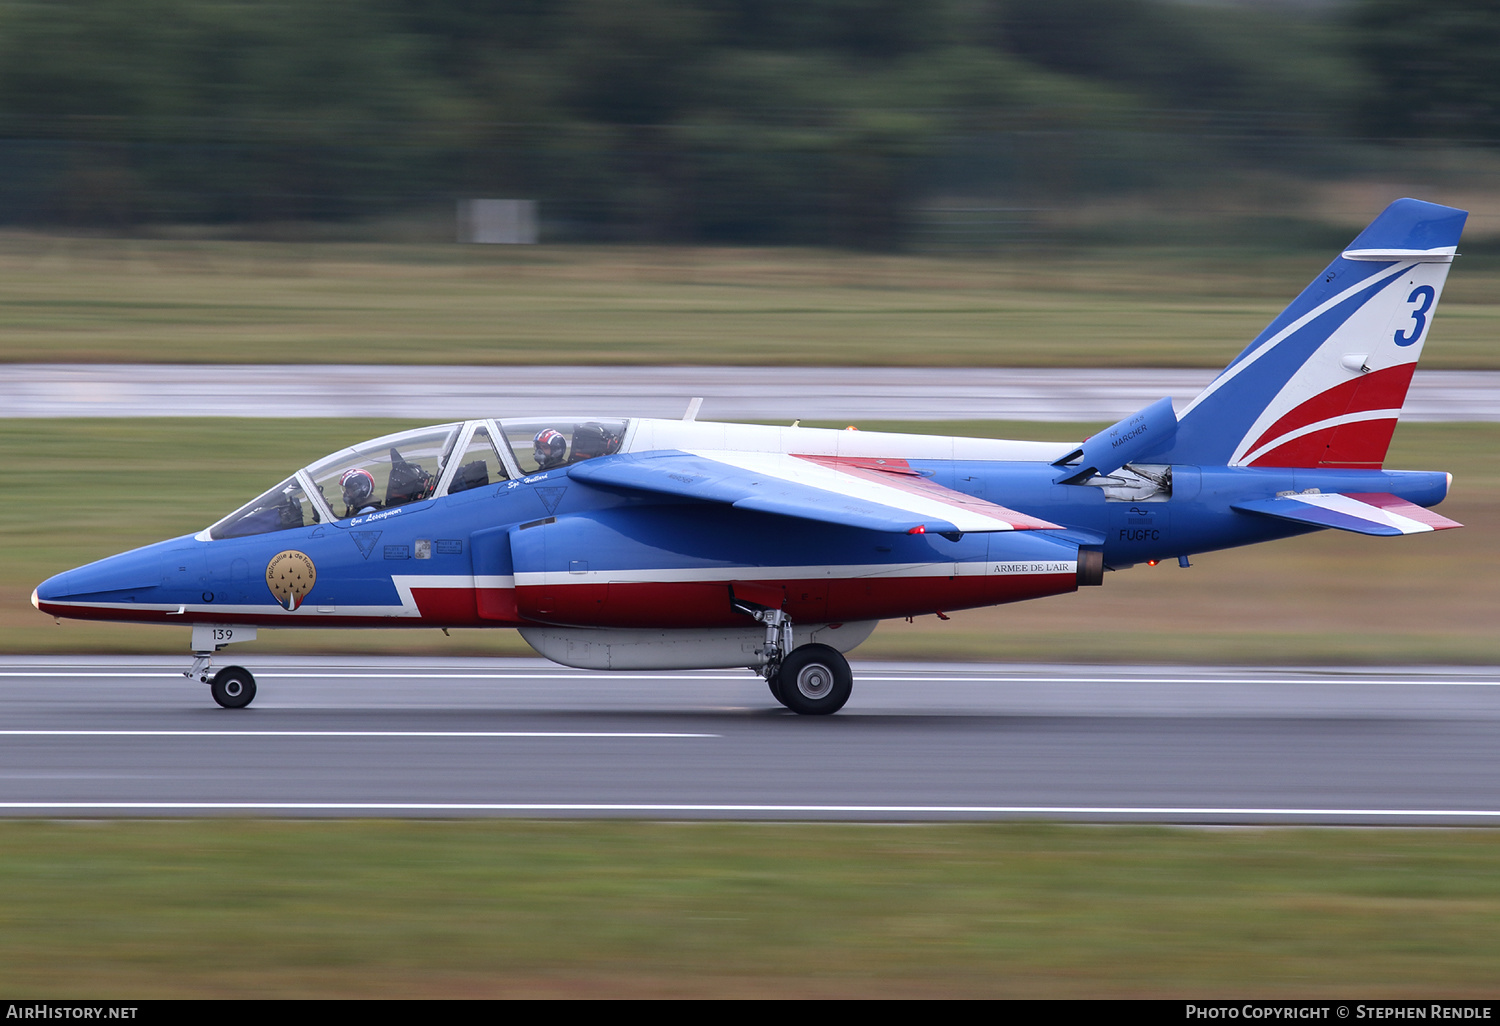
[(549, 549)]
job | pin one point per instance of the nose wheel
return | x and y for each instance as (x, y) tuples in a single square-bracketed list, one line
[(233, 687)]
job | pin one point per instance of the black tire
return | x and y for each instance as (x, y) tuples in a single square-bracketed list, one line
[(815, 680), (774, 681), (233, 687)]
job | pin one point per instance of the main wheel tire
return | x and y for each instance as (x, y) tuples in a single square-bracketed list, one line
[(815, 680), (774, 682), (233, 687)]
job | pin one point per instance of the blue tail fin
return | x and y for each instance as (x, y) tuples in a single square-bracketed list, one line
[(1323, 385)]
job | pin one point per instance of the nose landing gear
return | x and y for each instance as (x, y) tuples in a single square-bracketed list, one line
[(233, 687)]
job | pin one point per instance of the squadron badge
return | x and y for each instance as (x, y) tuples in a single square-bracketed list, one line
[(290, 575)]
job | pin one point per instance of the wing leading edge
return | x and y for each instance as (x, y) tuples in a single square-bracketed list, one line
[(868, 493)]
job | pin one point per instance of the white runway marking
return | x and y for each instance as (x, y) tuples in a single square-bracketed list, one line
[(1183, 680), (1188, 812), (269, 675), (352, 733), (958, 677)]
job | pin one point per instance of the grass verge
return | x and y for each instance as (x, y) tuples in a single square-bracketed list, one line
[(133, 300), (363, 909)]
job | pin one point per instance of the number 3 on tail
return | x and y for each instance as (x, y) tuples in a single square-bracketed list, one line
[(1428, 295)]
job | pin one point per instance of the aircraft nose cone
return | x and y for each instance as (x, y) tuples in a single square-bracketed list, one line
[(105, 577), (127, 577), (123, 582), (53, 589)]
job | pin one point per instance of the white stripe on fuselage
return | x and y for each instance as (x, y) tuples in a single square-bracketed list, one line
[(405, 585), (648, 435), (728, 574)]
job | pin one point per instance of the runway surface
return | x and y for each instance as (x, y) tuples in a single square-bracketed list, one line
[(731, 393), (475, 737)]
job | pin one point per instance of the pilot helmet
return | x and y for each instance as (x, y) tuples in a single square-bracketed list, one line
[(358, 487), (549, 447), (590, 440)]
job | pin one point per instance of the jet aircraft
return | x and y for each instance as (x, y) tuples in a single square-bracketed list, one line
[(657, 544)]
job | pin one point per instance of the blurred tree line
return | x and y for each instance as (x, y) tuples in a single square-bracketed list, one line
[(824, 121)]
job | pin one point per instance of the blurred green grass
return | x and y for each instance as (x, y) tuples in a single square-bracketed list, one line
[(85, 489), (372, 909), (140, 300)]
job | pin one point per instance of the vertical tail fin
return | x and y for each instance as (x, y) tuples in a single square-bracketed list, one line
[(1323, 385)]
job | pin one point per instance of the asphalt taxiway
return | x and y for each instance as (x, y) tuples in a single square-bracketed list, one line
[(118, 736)]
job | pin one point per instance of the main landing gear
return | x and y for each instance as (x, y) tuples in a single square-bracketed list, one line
[(814, 680), (233, 687)]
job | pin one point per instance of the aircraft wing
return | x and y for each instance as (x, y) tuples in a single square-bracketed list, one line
[(874, 494), (1377, 513)]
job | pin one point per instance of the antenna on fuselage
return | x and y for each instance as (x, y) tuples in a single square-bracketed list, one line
[(694, 405)]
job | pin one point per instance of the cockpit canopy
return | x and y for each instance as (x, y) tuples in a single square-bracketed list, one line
[(417, 465)]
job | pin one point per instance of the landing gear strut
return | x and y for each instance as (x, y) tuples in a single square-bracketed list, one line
[(813, 680), (232, 687)]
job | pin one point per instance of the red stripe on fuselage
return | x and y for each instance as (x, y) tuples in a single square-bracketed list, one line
[(666, 606), (704, 604)]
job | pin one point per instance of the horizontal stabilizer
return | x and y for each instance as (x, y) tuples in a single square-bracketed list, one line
[(1138, 435), (877, 495), (1377, 513), (1441, 255)]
